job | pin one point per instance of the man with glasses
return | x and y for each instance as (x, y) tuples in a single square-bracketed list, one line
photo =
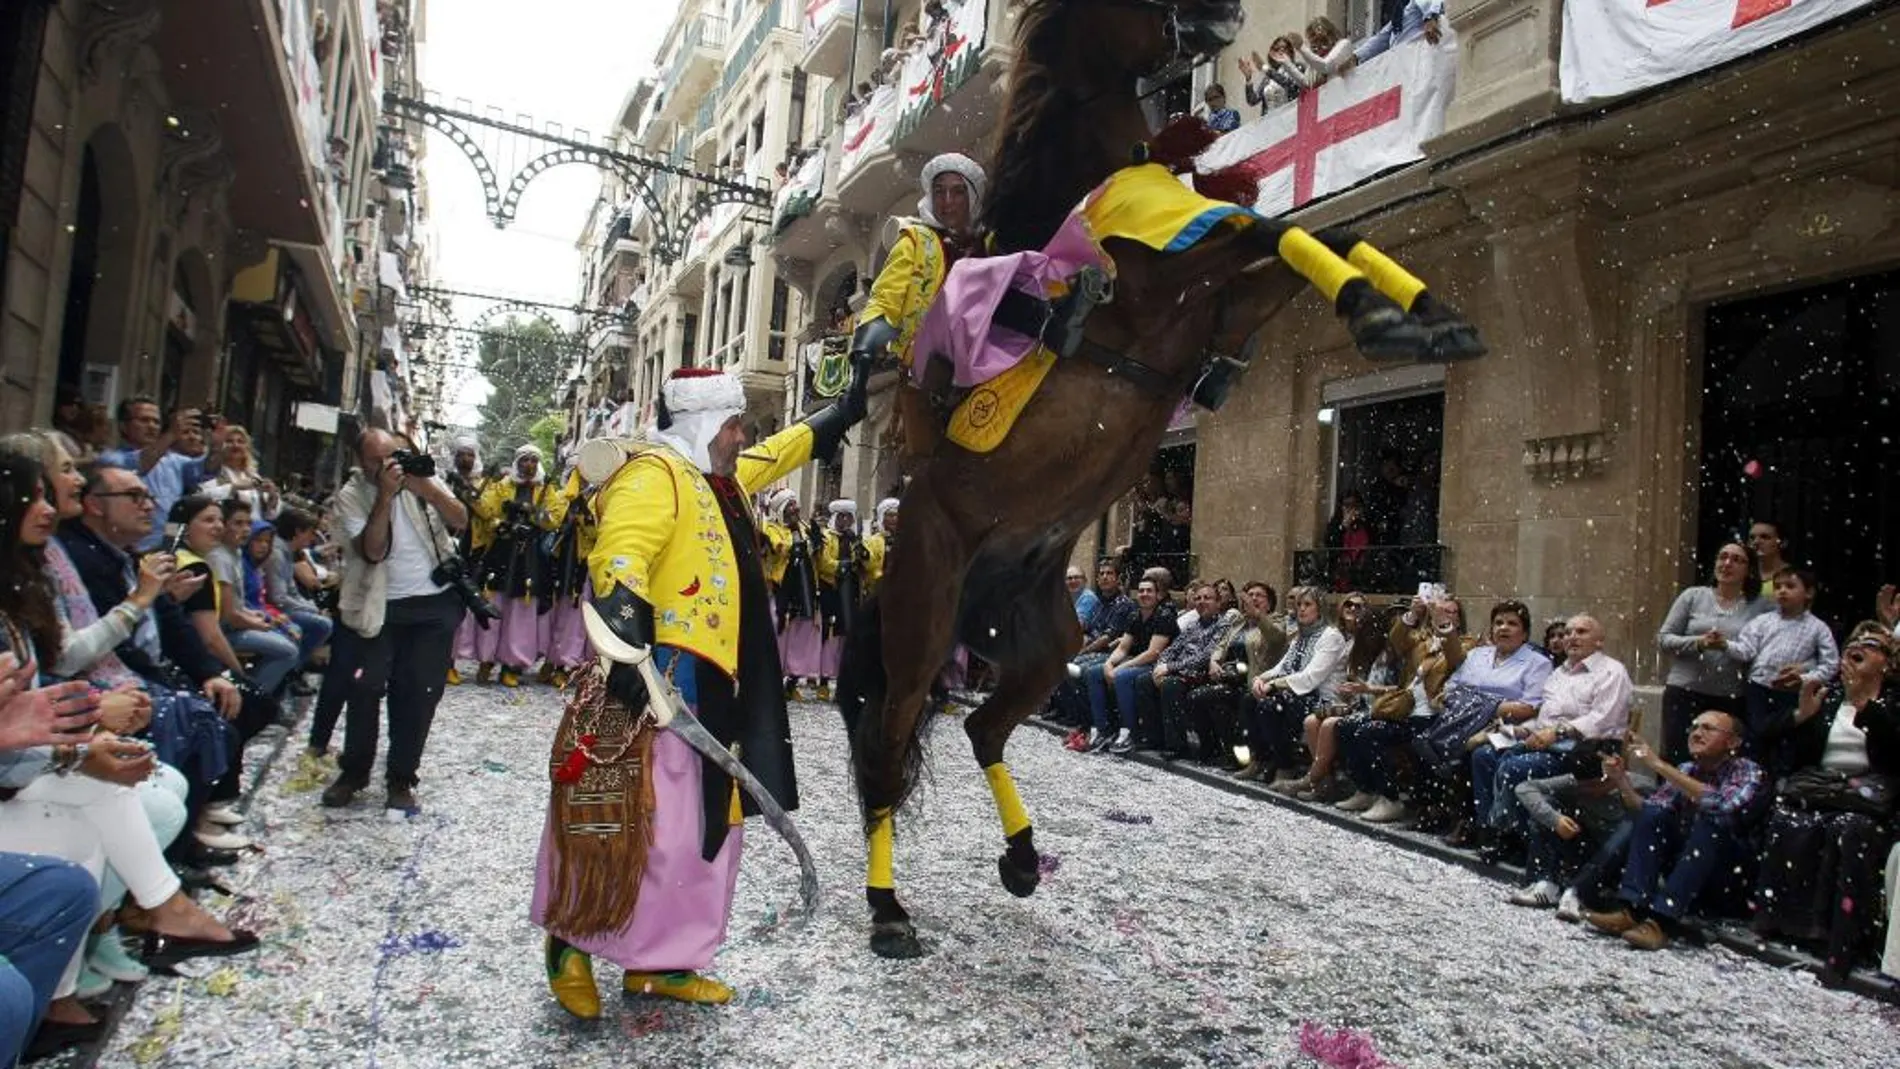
[(1688, 838), (150, 451)]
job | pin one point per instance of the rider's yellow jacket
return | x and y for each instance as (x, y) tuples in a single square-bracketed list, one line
[(908, 284)]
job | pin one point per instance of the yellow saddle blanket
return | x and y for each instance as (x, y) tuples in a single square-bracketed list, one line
[(1144, 204)]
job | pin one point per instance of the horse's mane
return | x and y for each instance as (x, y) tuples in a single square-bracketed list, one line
[(1041, 137)]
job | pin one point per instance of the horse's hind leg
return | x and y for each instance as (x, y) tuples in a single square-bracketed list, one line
[(918, 599), (1452, 337), (1030, 672)]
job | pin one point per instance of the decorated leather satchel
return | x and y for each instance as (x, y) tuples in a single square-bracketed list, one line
[(602, 812)]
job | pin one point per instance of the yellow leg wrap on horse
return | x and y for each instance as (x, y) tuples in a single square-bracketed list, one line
[(1316, 263), (1386, 275), (878, 873), (1008, 804)]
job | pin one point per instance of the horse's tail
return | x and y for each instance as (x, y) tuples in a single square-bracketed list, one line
[(886, 773)]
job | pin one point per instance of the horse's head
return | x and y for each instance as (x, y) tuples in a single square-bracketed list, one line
[(1151, 37)]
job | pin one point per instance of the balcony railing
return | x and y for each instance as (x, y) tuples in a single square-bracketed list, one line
[(1371, 569), (740, 61)]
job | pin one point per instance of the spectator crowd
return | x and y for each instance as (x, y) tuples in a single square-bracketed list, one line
[(1769, 799)]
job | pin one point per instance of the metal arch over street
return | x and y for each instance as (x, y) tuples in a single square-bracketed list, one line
[(638, 168)]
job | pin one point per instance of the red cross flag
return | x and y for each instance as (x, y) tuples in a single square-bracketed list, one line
[(1355, 126), (1613, 47)]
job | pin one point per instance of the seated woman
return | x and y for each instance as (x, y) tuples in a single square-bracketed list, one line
[(1428, 644), (77, 801), (1367, 665), (1307, 678), (1820, 872), (1504, 680)]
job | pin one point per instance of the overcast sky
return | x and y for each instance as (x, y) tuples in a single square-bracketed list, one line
[(564, 61)]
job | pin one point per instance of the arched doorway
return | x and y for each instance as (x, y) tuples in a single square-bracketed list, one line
[(104, 268)]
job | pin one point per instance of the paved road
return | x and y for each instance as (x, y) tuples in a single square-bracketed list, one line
[(1181, 926)]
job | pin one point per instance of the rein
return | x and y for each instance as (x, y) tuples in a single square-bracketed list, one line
[(1161, 384)]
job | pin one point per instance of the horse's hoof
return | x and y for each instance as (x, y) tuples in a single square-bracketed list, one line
[(896, 940), (1388, 334), (1456, 340), (1019, 882)]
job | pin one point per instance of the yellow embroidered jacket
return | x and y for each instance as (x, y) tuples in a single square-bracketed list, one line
[(907, 285), (777, 552), (661, 535)]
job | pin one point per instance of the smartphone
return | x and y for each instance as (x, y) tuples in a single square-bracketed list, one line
[(1636, 720), (174, 538)]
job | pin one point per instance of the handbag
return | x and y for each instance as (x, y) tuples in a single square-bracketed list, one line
[(1831, 790), (1441, 741)]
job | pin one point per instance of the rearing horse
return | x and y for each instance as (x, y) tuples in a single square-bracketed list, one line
[(987, 537)]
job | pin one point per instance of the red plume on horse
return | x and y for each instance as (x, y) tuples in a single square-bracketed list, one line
[(988, 535)]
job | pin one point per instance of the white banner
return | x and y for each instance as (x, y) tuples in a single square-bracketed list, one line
[(819, 13), (1349, 129), (800, 189), (938, 66), (868, 131), (1612, 47)]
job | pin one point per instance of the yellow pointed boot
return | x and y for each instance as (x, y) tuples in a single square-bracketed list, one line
[(571, 978), (684, 986)]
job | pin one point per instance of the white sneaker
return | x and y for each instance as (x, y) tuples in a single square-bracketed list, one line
[(1385, 811), (1359, 802), (221, 838), (1124, 742), (1569, 906), (1097, 740), (222, 813), (1541, 895), (1075, 670)]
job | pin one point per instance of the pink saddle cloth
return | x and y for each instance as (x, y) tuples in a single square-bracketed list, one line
[(957, 325)]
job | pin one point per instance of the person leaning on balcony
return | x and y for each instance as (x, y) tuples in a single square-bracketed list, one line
[(943, 233)]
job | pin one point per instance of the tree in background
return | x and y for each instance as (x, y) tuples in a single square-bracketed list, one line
[(524, 361), (543, 433)]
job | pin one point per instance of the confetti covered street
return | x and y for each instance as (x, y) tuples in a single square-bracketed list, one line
[(1177, 925)]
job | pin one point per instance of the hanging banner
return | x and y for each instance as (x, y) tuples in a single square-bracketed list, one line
[(801, 190), (1613, 47), (819, 15), (940, 65), (710, 225), (1349, 129), (868, 132)]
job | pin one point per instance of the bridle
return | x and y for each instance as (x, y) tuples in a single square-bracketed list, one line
[(1177, 57)]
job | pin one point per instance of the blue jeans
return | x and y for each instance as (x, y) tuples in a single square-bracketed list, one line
[(46, 905), (1687, 853), (1125, 679), (316, 629), (275, 655), (1501, 810), (1366, 746)]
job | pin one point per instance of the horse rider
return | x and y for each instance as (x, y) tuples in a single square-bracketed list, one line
[(640, 853), (943, 233)]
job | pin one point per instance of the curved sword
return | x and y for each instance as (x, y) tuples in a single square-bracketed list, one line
[(673, 714)]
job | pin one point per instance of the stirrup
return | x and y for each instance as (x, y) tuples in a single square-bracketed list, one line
[(1089, 288), (1217, 381)]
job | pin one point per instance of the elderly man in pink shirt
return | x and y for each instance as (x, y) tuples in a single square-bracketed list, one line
[(1586, 697)]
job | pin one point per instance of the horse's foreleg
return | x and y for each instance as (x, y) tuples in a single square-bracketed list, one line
[(1379, 326), (1452, 337)]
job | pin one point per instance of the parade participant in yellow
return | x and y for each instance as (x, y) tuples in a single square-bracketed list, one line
[(878, 542), (521, 505), (923, 252), (794, 566), (841, 561), (467, 483), (640, 854), (564, 636)]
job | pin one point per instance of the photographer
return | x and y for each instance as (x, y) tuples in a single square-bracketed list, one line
[(466, 482), (397, 522)]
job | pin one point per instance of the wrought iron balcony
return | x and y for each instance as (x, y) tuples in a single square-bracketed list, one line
[(1371, 569), (694, 68)]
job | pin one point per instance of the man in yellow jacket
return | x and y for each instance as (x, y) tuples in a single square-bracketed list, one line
[(640, 853), (943, 233)]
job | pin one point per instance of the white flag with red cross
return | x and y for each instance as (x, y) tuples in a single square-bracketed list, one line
[(1369, 120), (1613, 47)]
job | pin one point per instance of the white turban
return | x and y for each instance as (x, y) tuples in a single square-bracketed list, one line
[(958, 164), (697, 404), (884, 508), (528, 450)]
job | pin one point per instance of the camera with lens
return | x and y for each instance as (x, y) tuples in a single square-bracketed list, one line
[(413, 463), (453, 573)]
